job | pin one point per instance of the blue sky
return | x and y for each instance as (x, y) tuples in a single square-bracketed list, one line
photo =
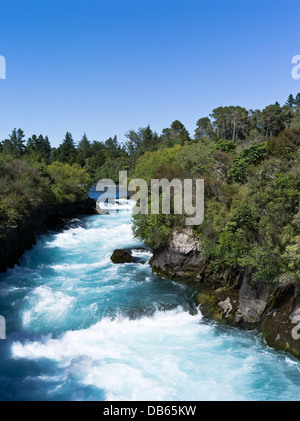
[(105, 67)]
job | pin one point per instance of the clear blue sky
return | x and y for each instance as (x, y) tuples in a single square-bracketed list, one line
[(106, 66)]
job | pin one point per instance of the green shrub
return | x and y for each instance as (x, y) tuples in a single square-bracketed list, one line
[(249, 156), (225, 145), (69, 182)]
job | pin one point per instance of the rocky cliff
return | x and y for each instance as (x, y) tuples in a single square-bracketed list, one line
[(182, 259), (231, 297), (23, 237)]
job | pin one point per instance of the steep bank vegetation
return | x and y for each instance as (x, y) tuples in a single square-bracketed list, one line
[(250, 164), (25, 187)]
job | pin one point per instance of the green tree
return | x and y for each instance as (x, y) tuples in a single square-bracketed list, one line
[(15, 144), (290, 101), (66, 152), (134, 142), (113, 149), (141, 141), (220, 122), (84, 148), (183, 136), (297, 100), (225, 145), (69, 182), (204, 128), (172, 135), (196, 158), (149, 163), (239, 122), (38, 149), (252, 155), (273, 120)]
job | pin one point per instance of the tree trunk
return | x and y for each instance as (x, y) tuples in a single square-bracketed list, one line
[(233, 135)]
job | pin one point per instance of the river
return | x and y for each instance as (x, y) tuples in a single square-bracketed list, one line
[(81, 328)]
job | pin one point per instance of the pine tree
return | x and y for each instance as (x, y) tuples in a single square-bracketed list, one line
[(67, 151), (84, 148), (46, 149), (177, 126), (39, 148), (290, 101), (297, 100), (184, 136), (113, 148), (15, 144), (203, 128), (273, 119)]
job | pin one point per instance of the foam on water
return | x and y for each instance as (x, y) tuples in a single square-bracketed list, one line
[(119, 204), (44, 303), (82, 328), (169, 356)]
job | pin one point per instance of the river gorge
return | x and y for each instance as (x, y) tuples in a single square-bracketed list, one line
[(82, 328)]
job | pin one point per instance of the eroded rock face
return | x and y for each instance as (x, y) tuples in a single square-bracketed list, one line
[(281, 321), (253, 299), (242, 303), (275, 311), (182, 259)]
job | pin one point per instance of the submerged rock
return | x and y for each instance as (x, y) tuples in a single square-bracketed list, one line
[(74, 223), (121, 256)]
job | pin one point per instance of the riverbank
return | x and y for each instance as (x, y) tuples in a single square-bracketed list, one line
[(23, 237), (231, 297)]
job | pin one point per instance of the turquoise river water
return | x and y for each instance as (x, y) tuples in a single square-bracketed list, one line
[(82, 328)]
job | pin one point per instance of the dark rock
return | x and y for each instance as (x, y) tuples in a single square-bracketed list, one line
[(280, 323), (74, 223), (121, 256)]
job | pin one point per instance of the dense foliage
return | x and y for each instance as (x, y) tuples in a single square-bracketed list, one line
[(25, 187), (252, 191), (249, 160)]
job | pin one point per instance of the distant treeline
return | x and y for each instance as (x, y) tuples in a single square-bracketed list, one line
[(104, 159)]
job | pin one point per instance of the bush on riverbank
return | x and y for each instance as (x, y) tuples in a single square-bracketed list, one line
[(25, 187)]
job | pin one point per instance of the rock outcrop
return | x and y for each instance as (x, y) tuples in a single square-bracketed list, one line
[(23, 237), (182, 259), (240, 303), (280, 324), (274, 311), (121, 256)]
